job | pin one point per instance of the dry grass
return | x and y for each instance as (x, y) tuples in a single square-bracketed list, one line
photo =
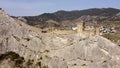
[(113, 37)]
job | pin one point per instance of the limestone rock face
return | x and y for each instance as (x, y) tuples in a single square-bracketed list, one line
[(38, 50)]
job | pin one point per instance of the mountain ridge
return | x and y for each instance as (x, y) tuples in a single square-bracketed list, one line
[(59, 16)]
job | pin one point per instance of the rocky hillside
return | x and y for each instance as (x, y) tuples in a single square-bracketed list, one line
[(97, 14), (23, 46)]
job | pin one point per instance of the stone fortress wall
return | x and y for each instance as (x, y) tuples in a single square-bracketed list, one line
[(87, 32), (81, 30), (65, 32)]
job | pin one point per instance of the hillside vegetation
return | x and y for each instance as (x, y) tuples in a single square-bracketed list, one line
[(59, 16)]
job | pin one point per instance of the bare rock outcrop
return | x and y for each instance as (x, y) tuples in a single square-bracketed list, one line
[(34, 49)]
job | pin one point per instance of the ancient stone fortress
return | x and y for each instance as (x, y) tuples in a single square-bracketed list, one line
[(88, 32), (80, 30)]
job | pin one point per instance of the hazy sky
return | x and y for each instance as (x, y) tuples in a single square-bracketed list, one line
[(36, 7)]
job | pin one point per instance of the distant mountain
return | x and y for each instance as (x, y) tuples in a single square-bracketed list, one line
[(85, 15)]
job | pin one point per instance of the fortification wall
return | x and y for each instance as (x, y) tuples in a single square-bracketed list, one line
[(64, 32), (80, 30), (89, 32)]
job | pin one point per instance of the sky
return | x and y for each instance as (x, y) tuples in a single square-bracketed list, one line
[(37, 7)]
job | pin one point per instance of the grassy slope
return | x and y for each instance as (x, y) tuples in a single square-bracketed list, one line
[(115, 37)]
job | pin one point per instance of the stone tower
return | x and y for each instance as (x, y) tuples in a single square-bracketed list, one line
[(97, 31), (80, 27)]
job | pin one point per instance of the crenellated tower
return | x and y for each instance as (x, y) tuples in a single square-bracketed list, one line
[(80, 27)]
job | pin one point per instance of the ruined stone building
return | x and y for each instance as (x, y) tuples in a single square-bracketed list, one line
[(87, 32)]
